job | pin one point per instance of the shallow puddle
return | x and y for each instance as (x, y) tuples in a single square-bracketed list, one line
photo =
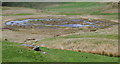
[(57, 22)]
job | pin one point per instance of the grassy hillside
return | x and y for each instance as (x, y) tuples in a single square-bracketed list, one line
[(78, 8), (104, 10), (82, 8), (15, 52)]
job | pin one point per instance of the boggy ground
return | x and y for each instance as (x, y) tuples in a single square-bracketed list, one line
[(102, 41)]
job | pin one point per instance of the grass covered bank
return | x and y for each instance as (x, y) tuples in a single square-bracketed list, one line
[(14, 52)]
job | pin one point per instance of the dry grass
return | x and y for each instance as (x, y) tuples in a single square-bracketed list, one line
[(103, 46), (91, 45), (21, 34)]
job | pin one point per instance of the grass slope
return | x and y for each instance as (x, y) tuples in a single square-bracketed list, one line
[(82, 8), (68, 8), (95, 9), (14, 52)]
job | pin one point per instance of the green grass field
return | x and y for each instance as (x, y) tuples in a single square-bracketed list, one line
[(15, 52)]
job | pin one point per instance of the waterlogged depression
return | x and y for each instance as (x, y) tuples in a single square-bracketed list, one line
[(47, 22), (76, 23)]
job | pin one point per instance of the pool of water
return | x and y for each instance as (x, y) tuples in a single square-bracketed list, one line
[(27, 22), (77, 25), (28, 45)]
